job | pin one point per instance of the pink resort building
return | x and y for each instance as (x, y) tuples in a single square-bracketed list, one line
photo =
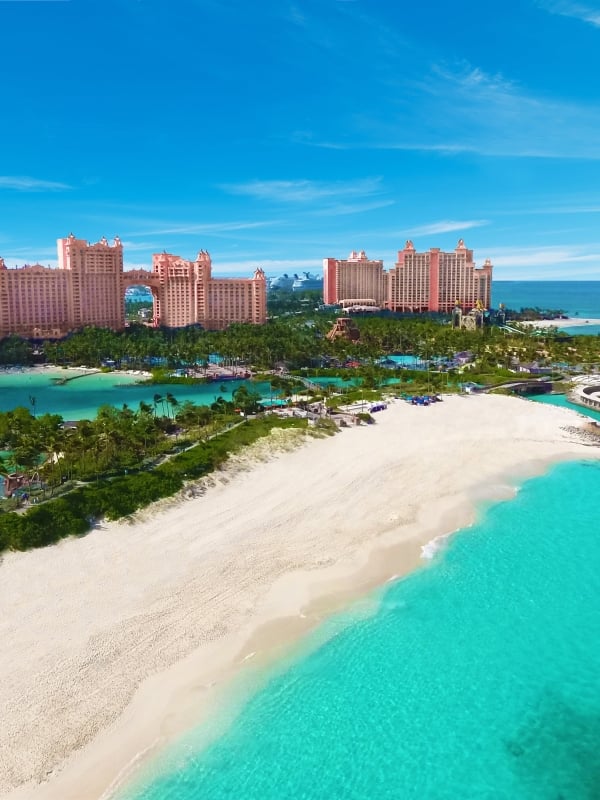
[(354, 278), (435, 281), (89, 284), (429, 281), (185, 293)]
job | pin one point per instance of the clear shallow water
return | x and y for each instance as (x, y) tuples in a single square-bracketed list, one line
[(81, 398), (561, 401), (476, 677), (582, 330)]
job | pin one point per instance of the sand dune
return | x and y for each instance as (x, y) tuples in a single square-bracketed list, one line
[(114, 642)]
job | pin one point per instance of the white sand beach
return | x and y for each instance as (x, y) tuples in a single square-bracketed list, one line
[(115, 642)]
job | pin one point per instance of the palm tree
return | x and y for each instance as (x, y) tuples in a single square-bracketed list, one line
[(144, 408), (171, 401), (156, 400)]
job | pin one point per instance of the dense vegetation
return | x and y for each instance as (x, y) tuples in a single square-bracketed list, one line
[(136, 309), (298, 340), (126, 457)]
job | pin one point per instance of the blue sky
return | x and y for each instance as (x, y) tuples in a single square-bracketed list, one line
[(275, 133)]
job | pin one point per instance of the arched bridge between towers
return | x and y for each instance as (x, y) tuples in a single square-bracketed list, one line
[(141, 277)]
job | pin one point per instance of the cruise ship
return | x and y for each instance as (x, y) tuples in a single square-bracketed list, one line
[(308, 283), (282, 284)]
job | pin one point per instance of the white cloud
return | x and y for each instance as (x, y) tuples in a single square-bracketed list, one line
[(296, 16), (148, 247), (192, 229), (549, 209), (446, 226), (541, 256), (24, 183), (462, 109), (341, 209), (578, 11), (304, 191), (357, 143)]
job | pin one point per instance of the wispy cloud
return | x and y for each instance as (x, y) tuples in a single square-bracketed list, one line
[(295, 15), (343, 209), (308, 138), (193, 229), (24, 183), (460, 108), (304, 191), (543, 256), (577, 207), (578, 11), (446, 226), (136, 247)]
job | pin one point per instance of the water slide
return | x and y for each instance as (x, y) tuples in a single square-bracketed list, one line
[(510, 329)]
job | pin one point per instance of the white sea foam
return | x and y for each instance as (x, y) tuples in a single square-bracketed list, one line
[(434, 546), (128, 770)]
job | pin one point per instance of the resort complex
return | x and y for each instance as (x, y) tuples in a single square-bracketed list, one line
[(300, 475), (429, 281), (89, 286)]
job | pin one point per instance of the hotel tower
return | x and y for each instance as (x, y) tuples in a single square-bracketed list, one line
[(435, 281), (429, 281), (355, 278)]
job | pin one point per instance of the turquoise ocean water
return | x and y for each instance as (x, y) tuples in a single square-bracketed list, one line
[(477, 676), (577, 298)]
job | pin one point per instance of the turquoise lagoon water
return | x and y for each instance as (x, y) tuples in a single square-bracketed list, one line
[(81, 397), (338, 383), (561, 401), (477, 676)]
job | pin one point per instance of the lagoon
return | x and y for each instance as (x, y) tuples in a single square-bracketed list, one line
[(81, 397), (561, 401)]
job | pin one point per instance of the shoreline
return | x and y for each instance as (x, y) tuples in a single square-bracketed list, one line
[(283, 586), (569, 322)]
